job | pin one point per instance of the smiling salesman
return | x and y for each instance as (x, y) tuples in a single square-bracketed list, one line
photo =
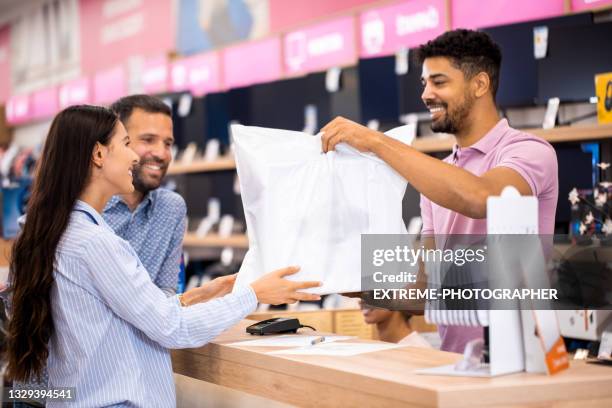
[(460, 78)]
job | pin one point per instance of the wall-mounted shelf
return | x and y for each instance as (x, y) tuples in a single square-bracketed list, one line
[(431, 144), (557, 135), (574, 133), (200, 166), (215, 241)]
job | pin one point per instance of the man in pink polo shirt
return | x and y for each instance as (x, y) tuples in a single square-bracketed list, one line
[(460, 78)]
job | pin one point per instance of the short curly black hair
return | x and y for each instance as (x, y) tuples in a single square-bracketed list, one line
[(470, 51)]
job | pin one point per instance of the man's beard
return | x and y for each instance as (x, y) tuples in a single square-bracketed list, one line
[(139, 182), (454, 120)]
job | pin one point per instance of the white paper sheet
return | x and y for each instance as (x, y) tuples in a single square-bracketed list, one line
[(289, 340), (338, 349)]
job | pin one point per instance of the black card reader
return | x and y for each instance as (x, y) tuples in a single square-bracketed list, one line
[(275, 325)]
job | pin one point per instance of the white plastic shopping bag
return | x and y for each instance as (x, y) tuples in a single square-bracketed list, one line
[(309, 209)]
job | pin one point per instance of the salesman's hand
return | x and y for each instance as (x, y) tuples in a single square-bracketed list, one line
[(215, 288), (343, 130), (273, 289)]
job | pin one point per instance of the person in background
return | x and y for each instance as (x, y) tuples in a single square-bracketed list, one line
[(460, 78), (83, 305), (393, 326)]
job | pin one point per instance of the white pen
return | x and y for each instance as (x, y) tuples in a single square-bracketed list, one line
[(317, 340)]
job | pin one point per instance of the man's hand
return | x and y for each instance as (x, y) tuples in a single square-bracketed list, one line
[(215, 288), (443, 183), (343, 130)]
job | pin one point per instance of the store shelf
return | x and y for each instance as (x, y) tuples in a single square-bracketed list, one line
[(215, 241), (557, 135), (430, 144), (201, 166), (574, 133)]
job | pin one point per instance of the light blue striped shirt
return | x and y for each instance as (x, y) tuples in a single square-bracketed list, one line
[(155, 230), (113, 326)]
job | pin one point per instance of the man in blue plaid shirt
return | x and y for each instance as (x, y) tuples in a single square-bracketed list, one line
[(152, 218)]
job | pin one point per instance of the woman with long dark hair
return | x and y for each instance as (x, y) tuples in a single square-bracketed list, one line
[(82, 304)]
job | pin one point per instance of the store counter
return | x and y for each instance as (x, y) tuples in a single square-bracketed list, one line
[(382, 379)]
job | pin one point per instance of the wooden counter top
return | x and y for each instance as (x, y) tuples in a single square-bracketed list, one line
[(383, 379)]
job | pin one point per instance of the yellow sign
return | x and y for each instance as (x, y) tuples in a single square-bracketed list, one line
[(603, 90)]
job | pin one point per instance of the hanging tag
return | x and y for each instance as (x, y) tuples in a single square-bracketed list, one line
[(550, 117), (540, 42), (226, 226), (310, 119), (373, 124), (204, 227), (409, 119), (184, 105), (227, 256), (332, 79), (189, 153), (401, 61), (211, 153), (212, 216), (214, 209)]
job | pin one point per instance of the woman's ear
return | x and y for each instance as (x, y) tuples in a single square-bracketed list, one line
[(99, 154)]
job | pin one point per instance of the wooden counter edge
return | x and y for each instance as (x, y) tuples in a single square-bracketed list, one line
[(286, 379)]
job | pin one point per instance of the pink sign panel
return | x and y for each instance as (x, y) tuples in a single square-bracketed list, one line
[(114, 30), (198, 74), (477, 13), (76, 92), (5, 67), (18, 109), (320, 47), (109, 85), (155, 75), (252, 63), (286, 14), (44, 103), (579, 5), (407, 24)]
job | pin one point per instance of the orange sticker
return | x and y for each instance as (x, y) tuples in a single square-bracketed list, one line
[(556, 358)]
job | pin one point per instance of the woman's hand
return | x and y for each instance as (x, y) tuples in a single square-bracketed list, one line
[(215, 288), (273, 289)]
